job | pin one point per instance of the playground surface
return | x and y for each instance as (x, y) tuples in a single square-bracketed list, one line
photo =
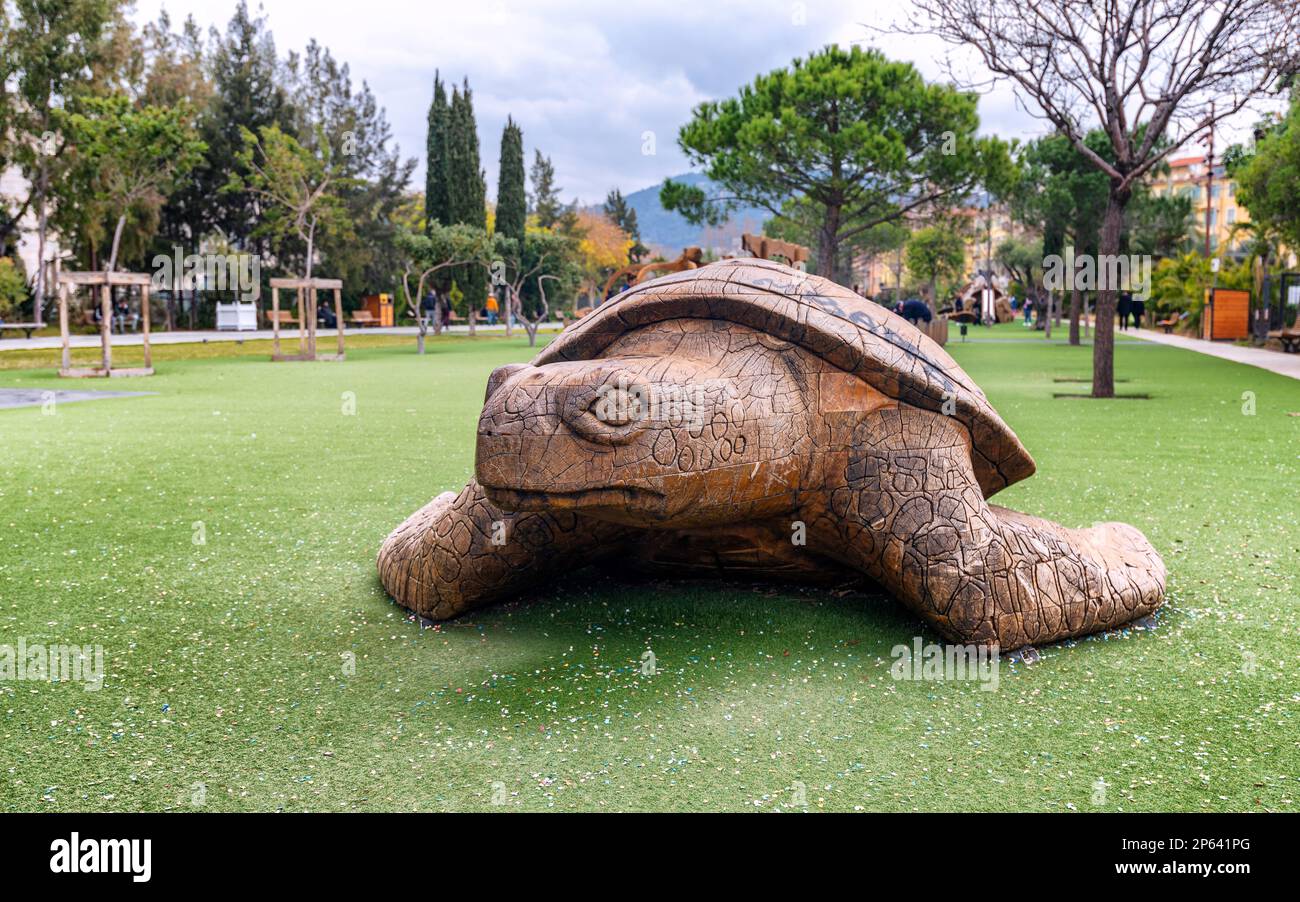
[(217, 538)]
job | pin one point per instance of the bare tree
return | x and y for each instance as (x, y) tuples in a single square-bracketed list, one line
[(423, 254), (1151, 73), (543, 255), (414, 301)]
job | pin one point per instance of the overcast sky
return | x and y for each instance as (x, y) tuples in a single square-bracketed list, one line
[(594, 85)]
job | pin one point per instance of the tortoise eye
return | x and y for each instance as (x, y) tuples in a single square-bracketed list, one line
[(617, 406)]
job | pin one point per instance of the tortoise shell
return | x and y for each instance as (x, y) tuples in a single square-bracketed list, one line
[(830, 321)]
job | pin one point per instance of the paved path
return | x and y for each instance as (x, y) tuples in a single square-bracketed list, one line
[(171, 338), (1273, 361), (30, 397)]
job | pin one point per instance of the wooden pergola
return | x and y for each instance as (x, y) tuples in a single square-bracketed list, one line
[(307, 305), (105, 281)]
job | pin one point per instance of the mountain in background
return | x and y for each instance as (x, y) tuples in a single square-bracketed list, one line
[(666, 232)]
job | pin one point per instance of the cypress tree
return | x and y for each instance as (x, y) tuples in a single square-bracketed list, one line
[(435, 179), (466, 186), (512, 199)]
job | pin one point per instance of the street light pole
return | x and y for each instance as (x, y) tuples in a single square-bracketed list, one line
[(1209, 181)]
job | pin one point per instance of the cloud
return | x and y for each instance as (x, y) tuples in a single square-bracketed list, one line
[(588, 82)]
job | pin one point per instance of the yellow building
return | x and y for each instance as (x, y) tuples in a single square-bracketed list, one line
[(984, 228), (1187, 177)]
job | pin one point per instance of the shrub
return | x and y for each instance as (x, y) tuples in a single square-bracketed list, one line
[(13, 288)]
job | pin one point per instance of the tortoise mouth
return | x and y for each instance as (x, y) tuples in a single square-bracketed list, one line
[(614, 499)]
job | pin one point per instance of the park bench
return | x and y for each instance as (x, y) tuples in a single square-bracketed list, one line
[(1171, 321), (1290, 337), (364, 318), (283, 317), (29, 328)]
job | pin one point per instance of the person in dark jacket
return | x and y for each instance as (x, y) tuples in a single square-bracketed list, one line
[(429, 306), (914, 311), (1125, 307), (325, 317), (1139, 310)]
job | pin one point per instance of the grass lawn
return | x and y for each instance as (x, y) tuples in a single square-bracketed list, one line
[(229, 665)]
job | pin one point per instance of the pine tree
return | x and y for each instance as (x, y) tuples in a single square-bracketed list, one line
[(512, 200), (435, 179), (546, 194), (616, 208), (248, 94), (466, 186), (619, 212)]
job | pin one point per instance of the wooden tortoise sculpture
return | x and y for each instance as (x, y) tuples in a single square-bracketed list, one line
[(748, 419)]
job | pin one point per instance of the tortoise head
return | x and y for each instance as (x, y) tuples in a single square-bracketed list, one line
[(666, 427)]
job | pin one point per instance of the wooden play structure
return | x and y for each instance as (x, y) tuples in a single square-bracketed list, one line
[(971, 299), (102, 284), (693, 258), (765, 248), (307, 308), (936, 328), (1226, 315), (636, 273)]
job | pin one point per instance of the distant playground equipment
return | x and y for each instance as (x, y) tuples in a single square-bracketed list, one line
[(760, 246), (101, 285), (765, 248), (306, 321), (937, 329), (987, 300), (1226, 315), (636, 273)]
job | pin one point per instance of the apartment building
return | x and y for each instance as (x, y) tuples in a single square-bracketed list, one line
[(1186, 177)]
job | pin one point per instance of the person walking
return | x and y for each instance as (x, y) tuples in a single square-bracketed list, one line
[(429, 306), (492, 309), (1029, 313), (1125, 307), (1139, 310)]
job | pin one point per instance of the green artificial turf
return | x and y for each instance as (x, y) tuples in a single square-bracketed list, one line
[(230, 680)]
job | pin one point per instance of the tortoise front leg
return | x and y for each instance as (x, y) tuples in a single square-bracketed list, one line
[(909, 512), (459, 552)]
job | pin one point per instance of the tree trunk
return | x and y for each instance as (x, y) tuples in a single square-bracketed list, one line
[(1103, 344), (42, 227), (1047, 315), (419, 342), (1075, 305), (828, 242), (117, 240), (311, 241)]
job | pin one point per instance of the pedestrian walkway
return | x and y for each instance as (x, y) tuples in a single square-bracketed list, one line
[(1273, 361), (202, 336)]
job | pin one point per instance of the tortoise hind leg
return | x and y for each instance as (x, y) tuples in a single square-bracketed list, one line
[(459, 552), (910, 513)]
